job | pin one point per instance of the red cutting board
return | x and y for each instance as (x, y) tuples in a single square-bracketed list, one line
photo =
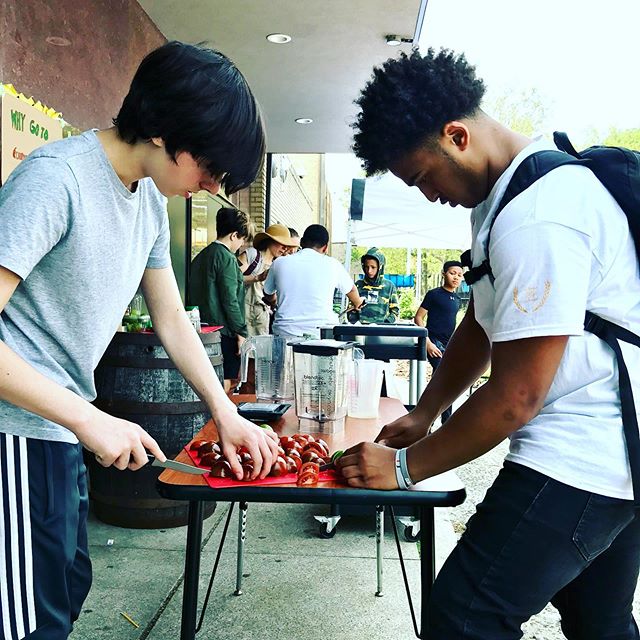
[(289, 478)]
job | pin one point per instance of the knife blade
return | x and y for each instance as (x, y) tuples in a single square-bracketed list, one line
[(332, 464), (177, 466)]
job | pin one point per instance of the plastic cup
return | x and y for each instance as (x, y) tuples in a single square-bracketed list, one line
[(365, 383)]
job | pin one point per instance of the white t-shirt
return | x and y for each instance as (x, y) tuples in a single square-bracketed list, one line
[(559, 248), (305, 282)]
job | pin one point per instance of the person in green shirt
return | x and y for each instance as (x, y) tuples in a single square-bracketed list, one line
[(216, 286)]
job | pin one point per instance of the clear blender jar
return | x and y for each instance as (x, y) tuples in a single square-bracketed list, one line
[(274, 366), (321, 369)]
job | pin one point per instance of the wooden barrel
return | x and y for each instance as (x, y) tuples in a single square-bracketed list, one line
[(137, 381)]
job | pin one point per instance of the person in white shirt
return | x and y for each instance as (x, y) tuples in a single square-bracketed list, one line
[(302, 286), (559, 523)]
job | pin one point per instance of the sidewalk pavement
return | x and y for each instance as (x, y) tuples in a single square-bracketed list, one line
[(297, 585)]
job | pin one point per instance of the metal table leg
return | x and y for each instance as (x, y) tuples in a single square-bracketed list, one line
[(379, 541), (242, 531), (191, 571), (421, 381), (412, 382), (427, 562)]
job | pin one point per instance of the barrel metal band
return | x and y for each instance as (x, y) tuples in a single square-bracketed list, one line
[(139, 362), (129, 407)]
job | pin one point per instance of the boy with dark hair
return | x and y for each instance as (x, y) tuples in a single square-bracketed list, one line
[(83, 223), (559, 523), (440, 307), (216, 286), (379, 293), (303, 286)]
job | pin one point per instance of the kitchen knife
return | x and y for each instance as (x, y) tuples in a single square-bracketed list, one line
[(177, 466), (331, 465)]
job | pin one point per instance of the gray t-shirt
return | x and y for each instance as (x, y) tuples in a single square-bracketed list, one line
[(80, 241)]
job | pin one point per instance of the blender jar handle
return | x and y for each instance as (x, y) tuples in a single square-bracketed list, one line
[(247, 347)]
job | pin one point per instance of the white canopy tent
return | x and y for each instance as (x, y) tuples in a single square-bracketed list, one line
[(384, 212)]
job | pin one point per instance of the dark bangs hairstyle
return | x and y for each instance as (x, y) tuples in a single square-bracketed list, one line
[(229, 220), (196, 100), (408, 101)]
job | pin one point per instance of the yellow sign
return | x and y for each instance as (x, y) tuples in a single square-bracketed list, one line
[(23, 129)]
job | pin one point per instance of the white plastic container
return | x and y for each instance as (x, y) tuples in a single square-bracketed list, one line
[(365, 384), (194, 315)]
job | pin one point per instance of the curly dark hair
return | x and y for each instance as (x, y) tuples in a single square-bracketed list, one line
[(408, 101)]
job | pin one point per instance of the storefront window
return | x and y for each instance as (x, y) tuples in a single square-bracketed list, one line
[(203, 221)]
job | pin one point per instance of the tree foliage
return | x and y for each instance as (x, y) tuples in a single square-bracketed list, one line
[(408, 304), (396, 258), (432, 261), (523, 111), (629, 138)]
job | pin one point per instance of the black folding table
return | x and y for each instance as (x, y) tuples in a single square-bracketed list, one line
[(443, 491)]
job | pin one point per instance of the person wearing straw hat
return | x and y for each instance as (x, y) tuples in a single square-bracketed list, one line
[(255, 263)]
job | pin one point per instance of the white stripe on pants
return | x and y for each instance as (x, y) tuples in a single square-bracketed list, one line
[(15, 533)]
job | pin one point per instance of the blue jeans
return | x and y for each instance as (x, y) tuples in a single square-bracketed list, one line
[(534, 540), (435, 362)]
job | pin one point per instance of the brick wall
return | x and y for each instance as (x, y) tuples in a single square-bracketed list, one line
[(290, 203), (252, 199), (299, 195)]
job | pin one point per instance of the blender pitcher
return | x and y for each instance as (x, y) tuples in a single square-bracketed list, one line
[(321, 370), (274, 366)]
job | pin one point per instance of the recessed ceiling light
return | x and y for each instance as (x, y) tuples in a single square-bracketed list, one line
[(304, 120), (57, 41), (279, 38)]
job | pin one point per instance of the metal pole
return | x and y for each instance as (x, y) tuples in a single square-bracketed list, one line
[(421, 378), (379, 544), (267, 191), (427, 562), (242, 536), (191, 571), (412, 382)]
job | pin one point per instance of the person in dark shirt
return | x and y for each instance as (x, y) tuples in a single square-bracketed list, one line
[(216, 286), (440, 307)]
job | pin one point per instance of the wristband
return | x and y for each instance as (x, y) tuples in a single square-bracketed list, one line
[(404, 469), (399, 477)]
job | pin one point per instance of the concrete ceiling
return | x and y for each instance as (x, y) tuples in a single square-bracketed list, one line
[(335, 44)]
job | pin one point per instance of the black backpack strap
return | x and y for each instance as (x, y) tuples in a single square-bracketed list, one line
[(561, 140), (611, 334), (531, 169), (477, 273)]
